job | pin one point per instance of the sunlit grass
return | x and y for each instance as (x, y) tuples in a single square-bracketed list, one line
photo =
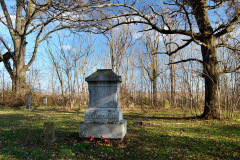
[(172, 135)]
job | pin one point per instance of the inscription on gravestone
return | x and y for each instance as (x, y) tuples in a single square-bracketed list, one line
[(103, 95)]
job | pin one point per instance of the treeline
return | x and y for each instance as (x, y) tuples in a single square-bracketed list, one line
[(150, 79)]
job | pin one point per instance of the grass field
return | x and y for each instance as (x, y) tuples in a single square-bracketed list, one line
[(172, 135)]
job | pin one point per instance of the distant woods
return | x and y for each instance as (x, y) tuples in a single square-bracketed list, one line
[(149, 80)]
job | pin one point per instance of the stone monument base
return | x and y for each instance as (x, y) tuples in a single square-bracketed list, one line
[(109, 130)]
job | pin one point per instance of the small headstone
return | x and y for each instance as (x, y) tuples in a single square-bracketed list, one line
[(28, 104), (167, 105), (132, 105), (103, 115), (143, 124), (45, 101), (48, 135)]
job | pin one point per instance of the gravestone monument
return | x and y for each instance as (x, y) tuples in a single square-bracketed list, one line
[(167, 104), (45, 101), (48, 135), (103, 115), (28, 104)]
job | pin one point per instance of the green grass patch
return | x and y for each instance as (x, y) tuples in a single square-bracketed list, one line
[(173, 135)]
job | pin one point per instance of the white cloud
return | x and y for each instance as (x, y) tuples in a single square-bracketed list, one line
[(13, 18), (66, 47)]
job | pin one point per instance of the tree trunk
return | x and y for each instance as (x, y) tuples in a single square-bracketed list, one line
[(211, 71), (19, 82), (154, 88), (172, 76), (18, 71)]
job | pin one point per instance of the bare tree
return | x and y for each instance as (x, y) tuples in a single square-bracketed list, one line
[(168, 40), (150, 61), (37, 18), (229, 82), (189, 18), (68, 61), (119, 42)]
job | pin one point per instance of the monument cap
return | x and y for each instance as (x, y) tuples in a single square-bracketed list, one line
[(104, 75)]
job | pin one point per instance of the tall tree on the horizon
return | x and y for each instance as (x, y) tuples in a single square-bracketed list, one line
[(150, 62)]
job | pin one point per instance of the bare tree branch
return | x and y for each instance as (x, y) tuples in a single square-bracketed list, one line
[(187, 60), (228, 46), (225, 70), (162, 16), (7, 16), (6, 56), (137, 13), (176, 50), (227, 28), (190, 24), (37, 42), (217, 5), (5, 45)]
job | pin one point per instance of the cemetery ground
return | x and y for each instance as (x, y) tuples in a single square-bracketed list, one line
[(164, 134)]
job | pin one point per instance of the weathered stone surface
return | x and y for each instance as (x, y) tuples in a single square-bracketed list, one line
[(103, 115), (49, 130), (109, 130), (104, 94), (28, 104), (48, 135), (143, 124), (45, 101)]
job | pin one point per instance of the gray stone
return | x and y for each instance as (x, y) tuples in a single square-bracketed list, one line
[(143, 124), (28, 104), (109, 130), (104, 94), (48, 135), (45, 101), (103, 115)]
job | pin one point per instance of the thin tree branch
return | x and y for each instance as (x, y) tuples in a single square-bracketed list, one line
[(161, 15), (43, 7), (3, 22), (147, 21), (229, 70), (216, 6), (227, 28), (5, 45), (187, 60), (228, 46), (190, 24), (7, 16), (176, 50), (37, 42)]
